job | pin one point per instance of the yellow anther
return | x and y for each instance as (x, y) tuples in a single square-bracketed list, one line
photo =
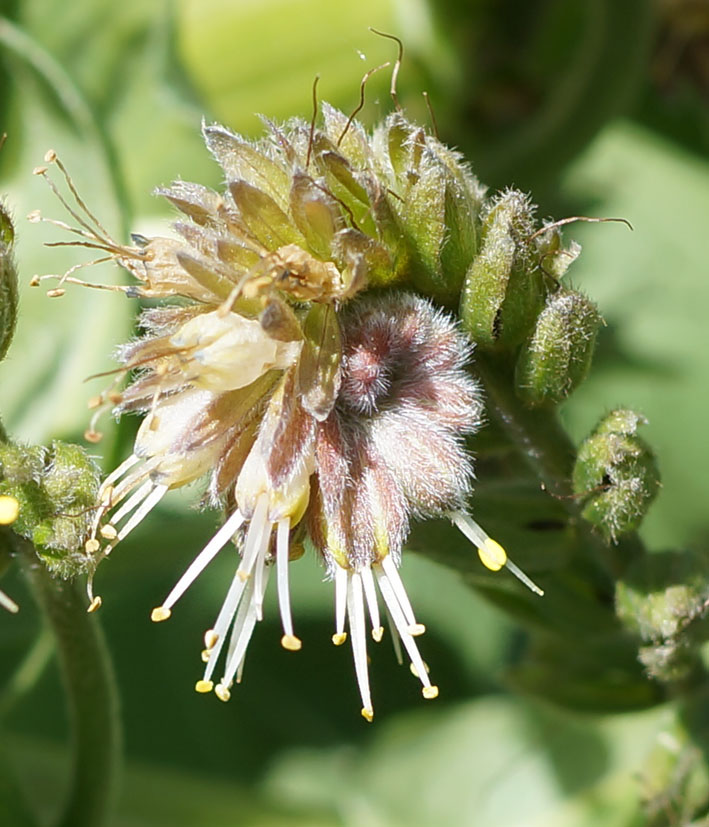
[(222, 692), (206, 654), (339, 638), (95, 604), (416, 629), (378, 633), (203, 687), (92, 545), (34, 217), (115, 397), (414, 670), (430, 692), (160, 613), (9, 509), (108, 531), (34, 281), (210, 639), (243, 575), (106, 495), (492, 555), (93, 436), (50, 156), (56, 292), (367, 713), (94, 402), (291, 643), (39, 170)]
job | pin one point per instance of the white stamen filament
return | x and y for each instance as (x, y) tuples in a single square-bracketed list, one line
[(242, 632), (371, 597), (132, 502), (224, 618), (491, 553), (259, 566), (402, 625), (397, 585), (396, 642), (254, 536), (146, 507), (282, 552), (202, 560), (341, 579), (8, 603), (355, 612)]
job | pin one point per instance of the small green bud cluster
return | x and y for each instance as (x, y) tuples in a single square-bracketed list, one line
[(663, 599), (512, 300), (616, 475), (56, 489), (8, 282)]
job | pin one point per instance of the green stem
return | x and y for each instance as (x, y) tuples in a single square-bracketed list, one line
[(91, 695), (541, 439)]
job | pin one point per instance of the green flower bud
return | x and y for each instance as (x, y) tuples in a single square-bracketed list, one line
[(663, 600), (504, 287), (56, 489), (557, 358), (616, 475), (8, 282), (439, 210)]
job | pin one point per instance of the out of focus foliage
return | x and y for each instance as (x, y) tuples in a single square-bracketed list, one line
[(599, 108)]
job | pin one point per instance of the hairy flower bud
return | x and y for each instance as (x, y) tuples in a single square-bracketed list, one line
[(616, 475), (557, 358), (663, 599), (55, 489), (504, 290), (8, 282)]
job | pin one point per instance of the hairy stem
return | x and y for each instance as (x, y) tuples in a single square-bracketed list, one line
[(91, 695)]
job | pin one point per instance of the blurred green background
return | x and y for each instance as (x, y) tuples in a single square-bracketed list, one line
[(596, 107)]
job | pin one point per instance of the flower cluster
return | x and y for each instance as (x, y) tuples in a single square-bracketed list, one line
[(327, 405)]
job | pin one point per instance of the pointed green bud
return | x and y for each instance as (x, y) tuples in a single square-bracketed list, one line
[(663, 600), (8, 282), (504, 289), (557, 358), (56, 489), (616, 475), (439, 207)]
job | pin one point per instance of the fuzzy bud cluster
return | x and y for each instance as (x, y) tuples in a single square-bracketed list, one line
[(55, 492), (663, 599), (615, 475)]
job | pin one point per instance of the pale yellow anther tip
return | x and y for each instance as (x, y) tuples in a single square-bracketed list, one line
[(210, 639), (93, 436), (378, 634), (222, 692), (9, 509), (160, 613), (95, 604), (492, 555), (34, 217), (367, 713), (94, 402), (339, 638), (115, 397), (203, 687), (108, 532), (291, 643), (430, 692), (39, 170), (56, 292), (34, 281), (92, 545), (416, 629), (206, 654), (415, 672), (50, 156), (243, 575)]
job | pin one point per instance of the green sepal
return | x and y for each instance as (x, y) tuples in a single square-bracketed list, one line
[(8, 282), (503, 290), (557, 357), (615, 475)]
